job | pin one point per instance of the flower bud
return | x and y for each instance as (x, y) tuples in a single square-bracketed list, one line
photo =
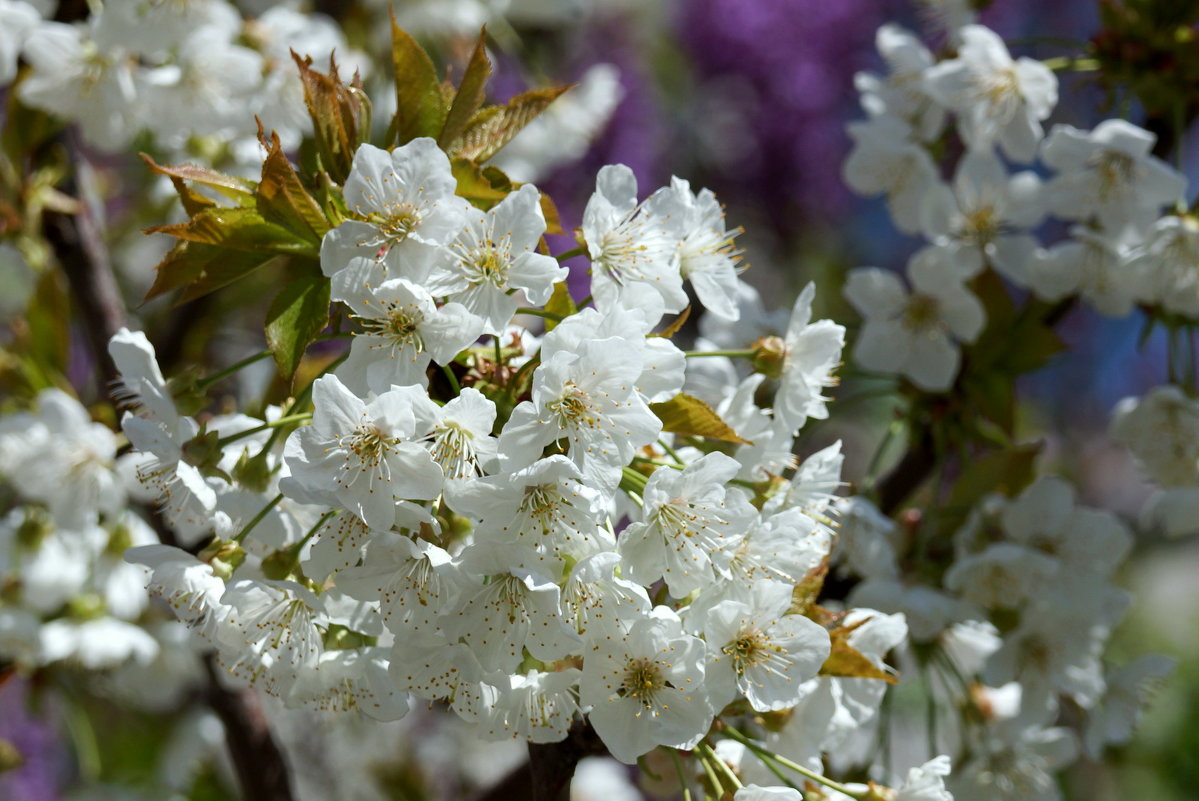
[(224, 557), (769, 355)]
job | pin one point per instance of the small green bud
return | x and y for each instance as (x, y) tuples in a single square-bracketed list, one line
[(224, 557), (34, 528), (120, 539), (281, 564), (88, 606), (253, 472), (769, 356), (339, 638)]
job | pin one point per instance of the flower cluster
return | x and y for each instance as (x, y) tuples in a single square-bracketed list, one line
[(503, 521), (553, 516), (1119, 251)]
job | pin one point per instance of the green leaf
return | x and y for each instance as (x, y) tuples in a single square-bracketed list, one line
[(470, 93), (341, 116), (238, 229), (495, 126), (199, 269), (420, 106), (1015, 341), (687, 415), (281, 199), (560, 304), (1007, 471), (297, 315), (476, 186)]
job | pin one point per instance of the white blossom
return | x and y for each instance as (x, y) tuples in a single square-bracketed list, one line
[(996, 99), (910, 333), (646, 687)]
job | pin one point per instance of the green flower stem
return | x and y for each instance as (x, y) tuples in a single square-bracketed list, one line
[(632, 481), (795, 766), (557, 318), (732, 354), (1078, 64), (570, 254), (205, 383), (312, 531), (717, 787), (664, 445), (721, 765), (774, 768), (678, 767), (286, 420), (263, 512), (453, 379)]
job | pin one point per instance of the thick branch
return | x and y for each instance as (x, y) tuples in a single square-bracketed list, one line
[(261, 769), (547, 774), (907, 476), (79, 247)]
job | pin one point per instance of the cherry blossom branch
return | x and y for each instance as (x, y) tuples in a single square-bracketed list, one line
[(79, 248)]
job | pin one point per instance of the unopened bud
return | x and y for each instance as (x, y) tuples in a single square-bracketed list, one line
[(280, 564), (769, 356), (224, 557), (879, 792), (33, 529), (253, 472)]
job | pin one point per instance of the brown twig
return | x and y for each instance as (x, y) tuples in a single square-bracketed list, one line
[(79, 247)]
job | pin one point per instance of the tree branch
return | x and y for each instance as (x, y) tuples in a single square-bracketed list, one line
[(79, 247), (908, 475), (547, 774), (261, 769)]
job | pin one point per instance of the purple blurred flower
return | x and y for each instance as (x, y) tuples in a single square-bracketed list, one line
[(36, 742), (775, 90)]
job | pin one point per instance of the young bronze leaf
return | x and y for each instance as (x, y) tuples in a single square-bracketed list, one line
[(553, 221), (470, 94), (201, 269), (495, 126), (281, 198), (341, 116), (239, 229), (297, 315), (688, 415), (804, 596), (238, 190), (675, 324), (845, 661), (420, 107)]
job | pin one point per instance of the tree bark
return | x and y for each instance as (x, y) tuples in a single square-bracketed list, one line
[(80, 250), (547, 774)]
